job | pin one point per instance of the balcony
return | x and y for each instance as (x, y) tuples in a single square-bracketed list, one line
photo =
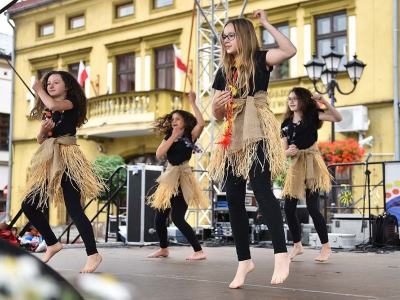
[(128, 114)]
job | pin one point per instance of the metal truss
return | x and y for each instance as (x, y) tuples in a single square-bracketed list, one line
[(211, 17)]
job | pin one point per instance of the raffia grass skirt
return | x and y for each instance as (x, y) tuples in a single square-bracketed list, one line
[(78, 169), (168, 187), (307, 171), (242, 159)]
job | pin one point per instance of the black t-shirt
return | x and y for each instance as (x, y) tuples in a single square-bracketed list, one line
[(65, 121), (261, 78), (178, 152), (303, 134)]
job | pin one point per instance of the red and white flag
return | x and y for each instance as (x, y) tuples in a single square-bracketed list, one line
[(82, 74), (178, 60)]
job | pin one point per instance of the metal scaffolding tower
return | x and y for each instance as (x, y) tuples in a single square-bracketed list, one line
[(210, 16)]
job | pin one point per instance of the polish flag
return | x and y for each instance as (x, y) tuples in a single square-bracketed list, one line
[(178, 60), (82, 74)]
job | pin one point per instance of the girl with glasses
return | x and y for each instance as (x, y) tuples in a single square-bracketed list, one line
[(299, 130), (249, 145)]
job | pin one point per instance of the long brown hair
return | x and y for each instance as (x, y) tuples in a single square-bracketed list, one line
[(73, 90), (162, 125), (247, 45), (305, 104)]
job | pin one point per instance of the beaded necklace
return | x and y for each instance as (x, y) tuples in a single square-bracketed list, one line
[(292, 137), (48, 115), (189, 144)]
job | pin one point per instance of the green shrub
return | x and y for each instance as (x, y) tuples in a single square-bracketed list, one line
[(106, 165)]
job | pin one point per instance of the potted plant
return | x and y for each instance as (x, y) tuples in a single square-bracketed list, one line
[(278, 185)]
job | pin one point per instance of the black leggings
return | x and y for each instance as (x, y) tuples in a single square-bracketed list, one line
[(312, 207), (72, 197), (178, 210), (268, 206)]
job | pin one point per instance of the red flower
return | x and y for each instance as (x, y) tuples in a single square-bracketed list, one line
[(346, 151)]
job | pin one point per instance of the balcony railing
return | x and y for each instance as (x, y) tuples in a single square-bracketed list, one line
[(159, 102)]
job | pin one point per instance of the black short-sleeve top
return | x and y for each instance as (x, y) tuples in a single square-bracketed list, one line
[(178, 152), (65, 121), (303, 134), (261, 77)]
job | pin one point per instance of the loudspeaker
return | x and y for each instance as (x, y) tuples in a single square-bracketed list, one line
[(141, 183)]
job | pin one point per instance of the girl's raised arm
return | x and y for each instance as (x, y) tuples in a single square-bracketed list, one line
[(286, 49), (198, 129), (334, 116)]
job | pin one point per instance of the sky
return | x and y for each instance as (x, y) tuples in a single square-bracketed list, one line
[(4, 26)]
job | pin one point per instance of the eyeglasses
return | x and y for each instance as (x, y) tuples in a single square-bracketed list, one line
[(230, 36), (294, 99)]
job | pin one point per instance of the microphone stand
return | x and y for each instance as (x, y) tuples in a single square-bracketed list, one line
[(367, 187)]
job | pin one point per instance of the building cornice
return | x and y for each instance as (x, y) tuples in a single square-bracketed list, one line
[(90, 35)]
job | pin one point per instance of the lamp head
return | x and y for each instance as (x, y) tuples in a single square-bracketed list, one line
[(327, 77), (332, 59), (355, 68), (314, 68)]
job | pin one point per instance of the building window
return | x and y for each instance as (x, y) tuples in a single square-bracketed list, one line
[(126, 73), (43, 72), (332, 30), (124, 10), (76, 22), (46, 29), (162, 3), (4, 131), (268, 42), (73, 70), (165, 68)]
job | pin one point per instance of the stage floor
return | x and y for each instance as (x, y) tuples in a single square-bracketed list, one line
[(346, 275)]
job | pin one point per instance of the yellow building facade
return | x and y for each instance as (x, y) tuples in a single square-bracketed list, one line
[(127, 49)]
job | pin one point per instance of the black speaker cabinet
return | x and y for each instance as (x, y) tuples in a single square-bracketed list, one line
[(140, 229)]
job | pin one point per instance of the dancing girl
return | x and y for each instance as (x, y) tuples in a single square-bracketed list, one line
[(178, 188), (307, 174), (249, 146), (60, 173)]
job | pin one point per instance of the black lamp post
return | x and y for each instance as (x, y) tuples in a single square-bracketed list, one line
[(328, 70)]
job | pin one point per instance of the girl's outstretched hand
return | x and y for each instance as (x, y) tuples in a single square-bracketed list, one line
[(260, 14), (223, 98), (319, 98), (176, 132), (292, 150), (37, 86), (192, 97), (46, 126)]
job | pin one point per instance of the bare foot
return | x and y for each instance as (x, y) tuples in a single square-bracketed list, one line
[(325, 253), (198, 255), (51, 251), (281, 269), (244, 267), (92, 263), (162, 252), (297, 250)]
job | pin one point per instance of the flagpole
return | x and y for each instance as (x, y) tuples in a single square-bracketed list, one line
[(188, 57)]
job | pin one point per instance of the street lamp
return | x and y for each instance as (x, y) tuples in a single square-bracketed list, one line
[(328, 70)]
